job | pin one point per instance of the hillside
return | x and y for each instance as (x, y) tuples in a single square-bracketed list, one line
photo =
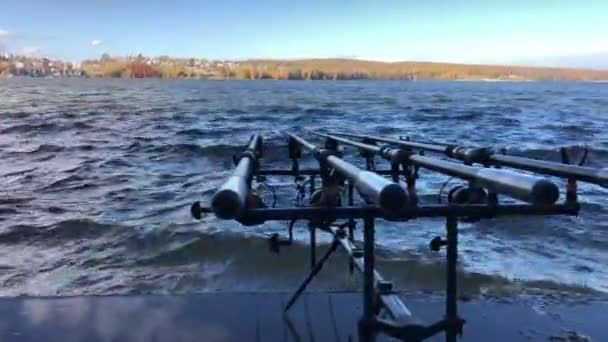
[(357, 69), (327, 69)]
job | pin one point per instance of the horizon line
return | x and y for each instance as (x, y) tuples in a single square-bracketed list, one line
[(345, 58)]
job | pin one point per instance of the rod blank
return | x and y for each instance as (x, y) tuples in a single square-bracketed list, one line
[(373, 187), (230, 199), (520, 186), (597, 176)]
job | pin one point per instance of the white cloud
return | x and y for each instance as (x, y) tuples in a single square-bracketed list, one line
[(96, 42)]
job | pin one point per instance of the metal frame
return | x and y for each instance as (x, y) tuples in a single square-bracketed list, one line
[(383, 310)]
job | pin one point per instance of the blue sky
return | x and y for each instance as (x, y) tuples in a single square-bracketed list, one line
[(524, 32)]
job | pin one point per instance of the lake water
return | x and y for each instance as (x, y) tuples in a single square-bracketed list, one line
[(97, 177)]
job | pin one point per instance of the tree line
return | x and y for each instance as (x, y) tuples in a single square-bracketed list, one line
[(335, 69)]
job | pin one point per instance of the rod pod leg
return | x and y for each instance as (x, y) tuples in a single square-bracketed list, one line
[(455, 323), (367, 321), (315, 270)]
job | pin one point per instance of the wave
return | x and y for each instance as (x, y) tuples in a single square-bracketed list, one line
[(7, 211), (116, 162), (15, 115), (438, 98), (553, 154), (196, 100), (279, 109), (43, 127), (192, 132), (71, 183), (19, 172), (498, 110), (47, 148), (52, 148), (264, 118), (527, 99), (506, 121), (64, 230), (324, 111), (233, 111), (385, 130), (226, 151), (38, 127), (433, 110), (94, 93), (466, 115), (249, 256), (574, 129), (246, 260), (80, 125), (194, 149)]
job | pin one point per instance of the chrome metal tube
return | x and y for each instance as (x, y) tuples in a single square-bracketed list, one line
[(231, 198), (373, 187), (524, 187), (597, 176)]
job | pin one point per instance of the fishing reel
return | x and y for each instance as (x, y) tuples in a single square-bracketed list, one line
[(327, 197), (468, 194), (254, 201), (462, 194)]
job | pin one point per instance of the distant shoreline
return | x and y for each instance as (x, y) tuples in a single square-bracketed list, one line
[(464, 80), (306, 69)]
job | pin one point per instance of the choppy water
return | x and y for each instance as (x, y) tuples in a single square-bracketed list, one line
[(97, 178)]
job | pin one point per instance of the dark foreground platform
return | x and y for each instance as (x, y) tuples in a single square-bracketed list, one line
[(258, 317)]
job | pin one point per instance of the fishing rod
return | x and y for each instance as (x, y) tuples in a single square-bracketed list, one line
[(527, 188), (371, 186), (234, 195), (487, 156)]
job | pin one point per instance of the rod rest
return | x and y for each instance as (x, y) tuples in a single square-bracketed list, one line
[(396, 155), (321, 153), (469, 155)]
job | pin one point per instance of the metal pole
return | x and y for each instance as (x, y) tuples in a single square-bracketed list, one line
[(520, 186), (313, 246), (351, 223), (597, 176), (230, 200), (451, 305), (315, 270), (366, 324)]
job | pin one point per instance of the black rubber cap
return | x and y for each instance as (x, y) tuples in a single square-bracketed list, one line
[(392, 198), (226, 204), (544, 192)]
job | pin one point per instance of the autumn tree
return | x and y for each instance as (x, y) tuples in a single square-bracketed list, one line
[(112, 68), (172, 71), (281, 73)]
